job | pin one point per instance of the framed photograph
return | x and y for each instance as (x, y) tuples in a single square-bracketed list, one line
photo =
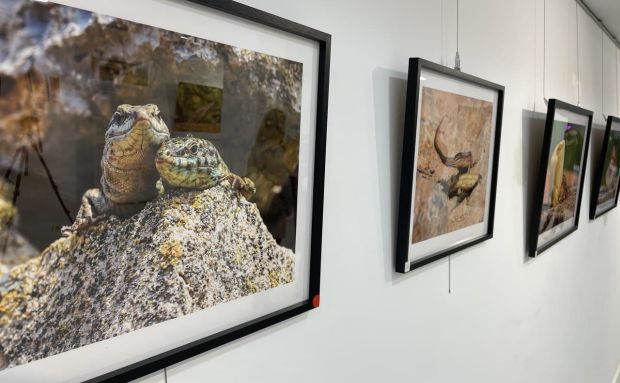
[(449, 163), (162, 182), (607, 174), (561, 175)]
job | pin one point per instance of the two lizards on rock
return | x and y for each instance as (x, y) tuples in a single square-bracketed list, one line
[(137, 151)]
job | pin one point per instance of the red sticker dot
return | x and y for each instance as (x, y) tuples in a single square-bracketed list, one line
[(316, 301)]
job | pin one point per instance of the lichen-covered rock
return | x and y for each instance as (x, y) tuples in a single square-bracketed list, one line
[(183, 252)]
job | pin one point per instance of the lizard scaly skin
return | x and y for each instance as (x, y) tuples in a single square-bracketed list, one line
[(195, 163), (128, 164)]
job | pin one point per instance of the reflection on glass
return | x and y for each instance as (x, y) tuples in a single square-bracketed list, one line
[(91, 109), (199, 108), (611, 169), (563, 174)]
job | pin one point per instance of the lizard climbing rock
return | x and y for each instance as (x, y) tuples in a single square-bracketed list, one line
[(128, 164), (195, 163)]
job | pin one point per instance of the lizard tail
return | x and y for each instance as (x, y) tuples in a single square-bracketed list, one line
[(444, 159)]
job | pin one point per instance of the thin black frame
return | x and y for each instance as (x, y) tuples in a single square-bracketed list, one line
[(554, 104), (176, 355), (598, 174), (408, 156)]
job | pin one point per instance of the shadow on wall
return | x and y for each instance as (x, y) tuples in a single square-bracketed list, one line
[(533, 133), (390, 94), (597, 135)]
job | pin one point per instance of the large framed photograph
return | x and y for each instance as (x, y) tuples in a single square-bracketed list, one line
[(561, 175), (162, 182), (449, 163), (607, 173)]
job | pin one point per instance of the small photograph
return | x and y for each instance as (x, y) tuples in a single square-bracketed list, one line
[(563, 171), (449, 166), (607, 176), (453, 163), (561, 175)]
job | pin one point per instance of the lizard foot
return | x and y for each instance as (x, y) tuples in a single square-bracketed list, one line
[(93, 208), (244, 185)]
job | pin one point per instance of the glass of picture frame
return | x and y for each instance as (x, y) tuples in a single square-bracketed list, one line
[(162, 189), (606, 183), (561, 175), (450, 161)]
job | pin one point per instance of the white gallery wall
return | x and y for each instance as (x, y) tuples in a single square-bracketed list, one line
[(487, 314)]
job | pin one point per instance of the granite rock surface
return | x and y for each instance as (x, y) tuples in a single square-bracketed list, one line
[(184, 252)]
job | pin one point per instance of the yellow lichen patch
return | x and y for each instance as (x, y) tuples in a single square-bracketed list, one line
[(171, 251), (12, 299), (201, 200), (8, 303), (197, 203), (65, 244), (19, 270), (183, 221), (251, 286), (273, 279), (7, 212), (237, 255)]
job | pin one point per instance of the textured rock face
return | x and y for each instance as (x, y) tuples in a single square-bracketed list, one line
[(184, 252)]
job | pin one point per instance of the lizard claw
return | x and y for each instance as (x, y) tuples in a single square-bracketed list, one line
[(78, 226)]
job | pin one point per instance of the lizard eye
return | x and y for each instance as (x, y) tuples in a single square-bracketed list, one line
[(193, 149), (118, 118)]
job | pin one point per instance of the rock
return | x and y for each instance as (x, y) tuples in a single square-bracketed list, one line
[(430, 210), (185, 251)]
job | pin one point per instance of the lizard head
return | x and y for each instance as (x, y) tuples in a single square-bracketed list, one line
[(137, 125), (189, 162)]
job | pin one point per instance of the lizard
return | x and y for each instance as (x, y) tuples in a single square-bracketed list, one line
[(129, 176), (463, 183), (195, 163)]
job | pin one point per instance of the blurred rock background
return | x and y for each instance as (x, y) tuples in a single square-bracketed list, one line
[(63, 71)]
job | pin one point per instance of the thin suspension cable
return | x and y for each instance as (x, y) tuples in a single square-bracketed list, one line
[(603, 76), (578, 66), (457, 57), (443, 38), (544, 52)]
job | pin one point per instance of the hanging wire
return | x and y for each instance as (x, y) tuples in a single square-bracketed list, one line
[(578, 66), (603, 76), (457, 58), (443, 49), (544, 53)]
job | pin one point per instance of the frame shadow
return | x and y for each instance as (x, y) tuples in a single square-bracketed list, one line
[(533, 133)]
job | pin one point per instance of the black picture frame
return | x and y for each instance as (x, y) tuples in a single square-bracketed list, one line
[(176, 355), (598, 174), (416, 65), (554, 104)]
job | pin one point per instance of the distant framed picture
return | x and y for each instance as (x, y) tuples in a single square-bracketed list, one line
[(561, 175), (162, 181), (449, 163), (607, 174)]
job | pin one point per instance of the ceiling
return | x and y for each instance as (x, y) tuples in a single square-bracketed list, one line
[(609, 12)]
